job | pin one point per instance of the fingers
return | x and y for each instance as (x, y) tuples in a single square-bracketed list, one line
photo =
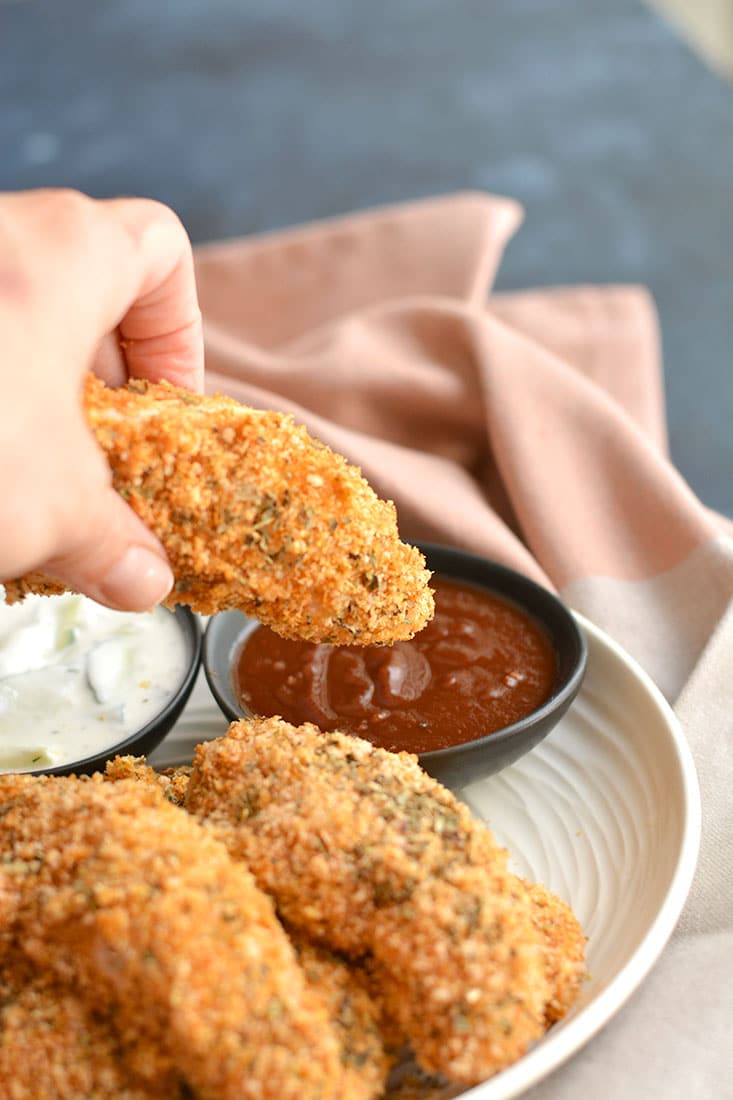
[(119, 564), (161, 333), (109, 361), (81, 283), (62, 517), (78, 269)]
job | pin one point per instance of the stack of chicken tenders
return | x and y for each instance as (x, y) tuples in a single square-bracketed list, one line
[(298, 915)]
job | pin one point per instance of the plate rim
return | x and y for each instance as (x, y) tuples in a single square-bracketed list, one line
[(554, 1051)]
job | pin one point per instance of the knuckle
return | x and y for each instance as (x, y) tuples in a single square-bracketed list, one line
[(138, 216), (64, 222), (69, 210), (42, 226), (165, 215)]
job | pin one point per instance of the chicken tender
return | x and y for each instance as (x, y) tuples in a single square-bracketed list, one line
[(172, 781), (254, 514), (122, 896), (564, 949), (344, 989), (356, 1016), (362, 850), (52, 1047)]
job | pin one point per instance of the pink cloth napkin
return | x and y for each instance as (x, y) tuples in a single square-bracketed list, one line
[(528, 427)]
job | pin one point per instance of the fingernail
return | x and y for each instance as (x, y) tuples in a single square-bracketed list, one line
[(137, 581)]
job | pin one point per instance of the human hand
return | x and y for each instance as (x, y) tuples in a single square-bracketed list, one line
[(107, 285)]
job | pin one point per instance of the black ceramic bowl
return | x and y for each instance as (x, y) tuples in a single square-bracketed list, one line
[(460, 764), (149, 736)]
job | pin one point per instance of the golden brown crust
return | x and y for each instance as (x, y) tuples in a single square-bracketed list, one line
[(303, 794), (142, 961), (564, 949), (254, 514), (52, 1046), (344, 989), (172, 781), (362, 849), (127, 899)]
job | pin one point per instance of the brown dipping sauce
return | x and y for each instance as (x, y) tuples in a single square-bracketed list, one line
[(479, 665)]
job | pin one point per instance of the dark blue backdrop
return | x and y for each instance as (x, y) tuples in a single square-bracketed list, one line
[(250, 115)]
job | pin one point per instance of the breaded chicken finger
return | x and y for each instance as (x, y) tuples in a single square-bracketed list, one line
[(254, 514), (360, 848), (343, 988), (125, 897), (52, 1047), (173, 781), (564, 944), (356, 1016)]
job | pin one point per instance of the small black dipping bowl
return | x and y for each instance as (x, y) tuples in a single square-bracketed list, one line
[(143, 741), (458, 765)]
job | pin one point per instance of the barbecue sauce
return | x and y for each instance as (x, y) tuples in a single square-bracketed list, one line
[(480, 664)]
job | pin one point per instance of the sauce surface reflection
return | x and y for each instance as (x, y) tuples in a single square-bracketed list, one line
[(478, 666)]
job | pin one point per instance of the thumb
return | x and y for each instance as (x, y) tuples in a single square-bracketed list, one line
[(116, 560)]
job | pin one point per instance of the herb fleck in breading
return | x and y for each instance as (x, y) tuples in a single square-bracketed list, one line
[(143, 914), (363, 851), (245, 503)]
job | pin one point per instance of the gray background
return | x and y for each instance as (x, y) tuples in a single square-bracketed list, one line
[(245, 116)]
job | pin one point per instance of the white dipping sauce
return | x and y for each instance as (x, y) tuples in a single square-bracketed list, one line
[(77, 678)]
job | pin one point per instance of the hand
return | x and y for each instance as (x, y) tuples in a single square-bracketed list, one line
[(107, 285)]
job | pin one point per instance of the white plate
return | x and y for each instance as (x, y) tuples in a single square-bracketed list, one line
[(605, 811)]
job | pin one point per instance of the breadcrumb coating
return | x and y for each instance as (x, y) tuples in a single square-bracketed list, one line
[(564, 949), (256, 515), (138, 959), (52, 1046), (356, 1016), (172, 781), (124, 897), (345, 988), (363, 851)]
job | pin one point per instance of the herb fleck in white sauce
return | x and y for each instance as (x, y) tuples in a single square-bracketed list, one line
[(77, 678)]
